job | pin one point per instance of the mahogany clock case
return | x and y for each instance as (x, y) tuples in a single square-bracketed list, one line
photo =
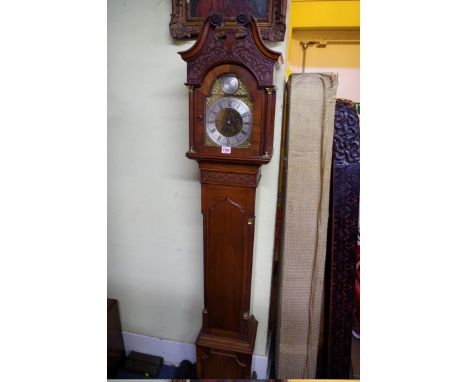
[(229, 179)]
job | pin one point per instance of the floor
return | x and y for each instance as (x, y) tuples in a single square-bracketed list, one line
[(166, 372), (169, 372)]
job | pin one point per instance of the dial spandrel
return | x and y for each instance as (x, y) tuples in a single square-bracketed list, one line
[(228, 122)]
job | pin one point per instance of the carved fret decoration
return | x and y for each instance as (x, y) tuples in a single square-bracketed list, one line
[(243, 51), (235, 179), (342, 242), (346, 135), (345, 231)]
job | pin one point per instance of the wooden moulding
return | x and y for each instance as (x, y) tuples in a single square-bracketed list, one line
[(232, 174), (221, 357), (216, 46), (231, 344)]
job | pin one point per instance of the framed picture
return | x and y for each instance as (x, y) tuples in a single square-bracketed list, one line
[(188, 15)]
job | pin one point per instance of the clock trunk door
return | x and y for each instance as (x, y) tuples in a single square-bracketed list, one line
[(229, 238)]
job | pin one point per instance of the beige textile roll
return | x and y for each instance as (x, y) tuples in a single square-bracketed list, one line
[(311, 108)]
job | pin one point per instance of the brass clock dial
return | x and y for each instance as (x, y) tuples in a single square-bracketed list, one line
[(228, 122)]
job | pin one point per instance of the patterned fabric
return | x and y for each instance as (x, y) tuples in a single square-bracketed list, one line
[(310, 110)]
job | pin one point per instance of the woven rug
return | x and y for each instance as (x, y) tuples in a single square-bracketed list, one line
[(309, 140)]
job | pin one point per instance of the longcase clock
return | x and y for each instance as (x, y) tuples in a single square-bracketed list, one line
[(230, 77)]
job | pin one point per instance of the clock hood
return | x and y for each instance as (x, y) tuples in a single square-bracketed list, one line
[(240, 45)]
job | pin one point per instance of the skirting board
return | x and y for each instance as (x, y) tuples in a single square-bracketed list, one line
[(175, 352)]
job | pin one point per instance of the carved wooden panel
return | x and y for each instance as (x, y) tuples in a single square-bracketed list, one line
[(241, 45), (342, 242), (231, 175), (242, 50), (236, 179)]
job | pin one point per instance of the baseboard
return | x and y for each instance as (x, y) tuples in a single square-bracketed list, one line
[(175, 352), (260, 366)]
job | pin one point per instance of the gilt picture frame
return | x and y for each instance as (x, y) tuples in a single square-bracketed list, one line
[(188, 15)]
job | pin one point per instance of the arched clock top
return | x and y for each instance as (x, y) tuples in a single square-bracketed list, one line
[(230, 203), (242, 45)]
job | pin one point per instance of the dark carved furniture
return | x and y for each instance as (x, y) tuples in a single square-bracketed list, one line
[(115, 345), (342, 242), (184, 24), (231, 100)]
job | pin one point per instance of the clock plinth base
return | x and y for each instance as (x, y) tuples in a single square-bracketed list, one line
[(226, 358)]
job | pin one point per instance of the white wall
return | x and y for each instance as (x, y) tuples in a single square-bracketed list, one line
[(155, 248)]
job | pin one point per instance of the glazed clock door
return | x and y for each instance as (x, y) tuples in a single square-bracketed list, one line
[(229, 112)]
